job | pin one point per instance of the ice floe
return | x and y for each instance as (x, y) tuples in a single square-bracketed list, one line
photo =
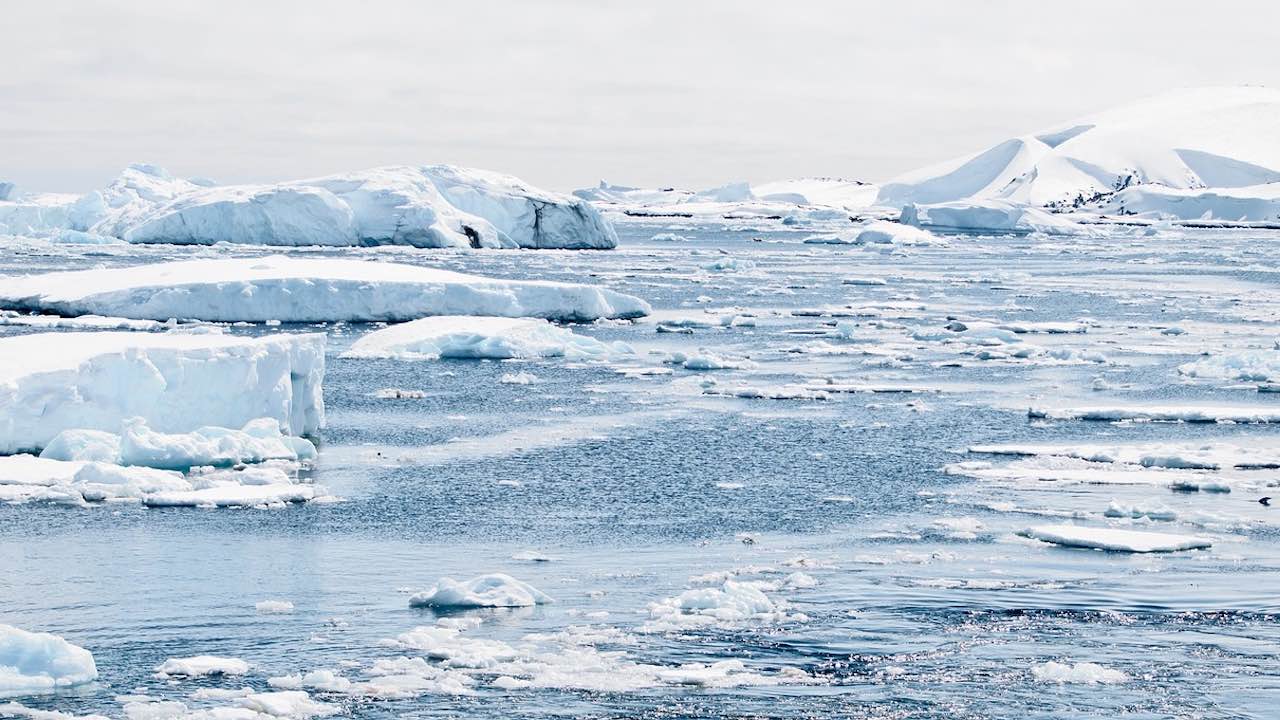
[(479, 337), (292, 289), (260, 440), (486, 591), (1115, 540), (176, 383), (1085, 673), (36, 662), (201, 666)]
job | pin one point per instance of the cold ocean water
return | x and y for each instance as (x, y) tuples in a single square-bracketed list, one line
[(814, 513)]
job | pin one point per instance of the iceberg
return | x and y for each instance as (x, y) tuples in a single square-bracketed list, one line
[(477, 337), (176, 383), (432, 206), (285, 289), (32, 663)]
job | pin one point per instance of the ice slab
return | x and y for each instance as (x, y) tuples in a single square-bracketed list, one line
[(477, 337), (285, 289), (32, 663), (1132, 541), (50, 382)]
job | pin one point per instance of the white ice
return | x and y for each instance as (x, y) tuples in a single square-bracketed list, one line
[(495, 590), (1100, 538), (36, 662), (479, 337), (292, 289)]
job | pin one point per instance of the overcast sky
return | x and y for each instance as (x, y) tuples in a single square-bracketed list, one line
[(565, 93)]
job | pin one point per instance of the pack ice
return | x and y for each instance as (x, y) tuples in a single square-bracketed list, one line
[(305, 290), (176, 383), (432, 206), (32, 663)]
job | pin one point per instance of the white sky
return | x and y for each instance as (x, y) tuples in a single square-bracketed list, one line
[(646, 92)]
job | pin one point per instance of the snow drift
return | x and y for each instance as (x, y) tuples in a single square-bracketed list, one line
[(431, 206), (305, 290), (51, 382)]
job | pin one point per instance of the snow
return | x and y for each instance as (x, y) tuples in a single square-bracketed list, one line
[(477, 337), (495, 590), (1132, 541), (34, 662), (50, 382), (201, 666), (1086, 673), (430, 206), (260, 440), (291, 289), (1185, 139)]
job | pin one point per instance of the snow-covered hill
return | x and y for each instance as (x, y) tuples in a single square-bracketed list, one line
[(432, 206), (1184, 141)]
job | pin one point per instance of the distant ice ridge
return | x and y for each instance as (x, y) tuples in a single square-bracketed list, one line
[(287, 289), (431, 206), (1189, 154), (33, 663), (175, 383)]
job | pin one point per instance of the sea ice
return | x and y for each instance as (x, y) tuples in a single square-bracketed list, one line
[(32, 663), (291, 289), (495, 590), (200, 666), (1086, 673), (1114, 540), (51, 382), (478, 337)]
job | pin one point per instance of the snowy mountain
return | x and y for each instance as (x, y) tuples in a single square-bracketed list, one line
[(432, 206), (1177, 143)]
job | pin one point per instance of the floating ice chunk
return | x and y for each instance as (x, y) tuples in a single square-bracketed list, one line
[(1082, 673), (734, 602), (291, 289), (201, 666), (280, 492), (273, 607), (519, 378), (399, 394), (706, 360), (260, 440), (1158, 413), (478, 337), (50, 382), (1114, 540), (730, 264), (495, 590), (324, 680), (290, 704), (1249, 366), (668, 237), (886, 232), (32, 663), (1160, 512)]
